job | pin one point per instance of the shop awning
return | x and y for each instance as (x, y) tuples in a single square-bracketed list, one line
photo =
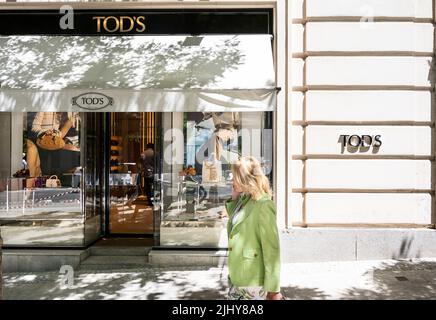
[(137, 73)]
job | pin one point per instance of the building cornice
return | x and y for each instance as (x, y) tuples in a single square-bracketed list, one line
[(140, 5)]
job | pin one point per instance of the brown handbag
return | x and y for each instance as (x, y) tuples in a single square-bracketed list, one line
[(50, 141)]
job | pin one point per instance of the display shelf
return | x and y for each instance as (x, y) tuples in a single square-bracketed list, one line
[(116, 157)]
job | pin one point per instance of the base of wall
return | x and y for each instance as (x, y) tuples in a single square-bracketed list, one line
[(346, 244), (34, 260)]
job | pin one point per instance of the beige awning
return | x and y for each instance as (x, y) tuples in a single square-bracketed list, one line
[(137, 73)]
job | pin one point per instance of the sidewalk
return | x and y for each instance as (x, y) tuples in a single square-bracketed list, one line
[(387, 279)]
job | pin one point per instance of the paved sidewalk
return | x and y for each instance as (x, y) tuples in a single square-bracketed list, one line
[(387, 279)]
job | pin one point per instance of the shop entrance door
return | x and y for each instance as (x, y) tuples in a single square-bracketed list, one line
[(132, 164)]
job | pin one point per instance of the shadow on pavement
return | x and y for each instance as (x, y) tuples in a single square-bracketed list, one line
[(389, 280)]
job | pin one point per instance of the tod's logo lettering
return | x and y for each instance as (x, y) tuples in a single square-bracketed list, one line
[(360, 141), (120, 24), (92, 101)]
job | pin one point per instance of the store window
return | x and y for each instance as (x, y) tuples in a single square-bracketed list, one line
[(196, 176), (41, 197)]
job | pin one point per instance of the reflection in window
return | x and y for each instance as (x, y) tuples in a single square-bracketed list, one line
[(197, 189)]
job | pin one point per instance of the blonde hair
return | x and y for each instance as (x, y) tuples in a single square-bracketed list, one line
[(248, 174)]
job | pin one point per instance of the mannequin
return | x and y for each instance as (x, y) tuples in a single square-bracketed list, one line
[(226, 124)]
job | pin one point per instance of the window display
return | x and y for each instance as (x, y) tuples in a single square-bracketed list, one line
[(167, 173), (53, 143), (225, 129), (105, 165), (212, 170), (45, 188), (192, 190)]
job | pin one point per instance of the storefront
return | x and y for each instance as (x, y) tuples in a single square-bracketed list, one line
[(126, 123), (348, 142)]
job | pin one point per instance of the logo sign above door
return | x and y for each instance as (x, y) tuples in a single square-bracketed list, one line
[(122, 24), (92, 101)]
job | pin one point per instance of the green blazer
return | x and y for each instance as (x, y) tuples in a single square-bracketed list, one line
[(254, 249)]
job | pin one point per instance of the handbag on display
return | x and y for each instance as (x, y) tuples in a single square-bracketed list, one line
[(53, 182), (40, 182), (50, 140), (211, 171), (23, 173)]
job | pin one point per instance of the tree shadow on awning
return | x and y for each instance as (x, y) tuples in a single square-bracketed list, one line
[(56, 62)]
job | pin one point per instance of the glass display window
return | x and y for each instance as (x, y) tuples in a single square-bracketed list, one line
[(43, 189), (196, 179)]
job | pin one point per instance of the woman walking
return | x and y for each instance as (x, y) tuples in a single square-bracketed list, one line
[(254, 250)]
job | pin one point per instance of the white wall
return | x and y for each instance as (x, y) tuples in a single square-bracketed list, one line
[(380, 8), (363, 208), (355, 105), (362, 67), (365, 174), (366, 71), (380, 36), (368, 208)]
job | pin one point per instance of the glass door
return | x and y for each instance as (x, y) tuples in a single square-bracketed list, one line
[(132, 166)]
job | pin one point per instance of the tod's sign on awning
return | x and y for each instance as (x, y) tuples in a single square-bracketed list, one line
[(92, 101)]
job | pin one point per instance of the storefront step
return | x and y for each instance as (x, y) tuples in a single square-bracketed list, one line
[(187, 257), (39, 260), (113, 262), (119, 251)]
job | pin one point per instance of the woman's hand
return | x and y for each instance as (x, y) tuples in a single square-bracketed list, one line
[(274, 296)]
